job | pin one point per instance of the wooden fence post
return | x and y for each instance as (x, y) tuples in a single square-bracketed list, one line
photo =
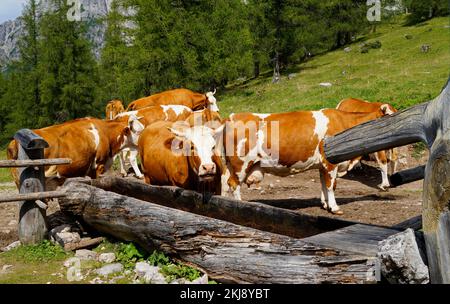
[(32, 224)]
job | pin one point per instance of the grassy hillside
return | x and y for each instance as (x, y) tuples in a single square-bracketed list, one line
[(398, 73)]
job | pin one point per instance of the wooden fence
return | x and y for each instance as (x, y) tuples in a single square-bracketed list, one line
[(31, 172), (428, 123)]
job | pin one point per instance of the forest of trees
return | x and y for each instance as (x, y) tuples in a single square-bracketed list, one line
[(154, 45)]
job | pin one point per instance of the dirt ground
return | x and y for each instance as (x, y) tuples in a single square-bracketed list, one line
[(356, 193)]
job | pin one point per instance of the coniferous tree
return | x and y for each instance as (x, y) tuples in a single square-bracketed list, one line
[(67, 67), (421, 10), (115, 57)]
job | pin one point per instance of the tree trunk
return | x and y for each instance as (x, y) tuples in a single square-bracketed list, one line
[(227, 252)]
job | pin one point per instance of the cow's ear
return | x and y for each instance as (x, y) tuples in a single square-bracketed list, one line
[(177, 133), (219, 131), (173, 144)]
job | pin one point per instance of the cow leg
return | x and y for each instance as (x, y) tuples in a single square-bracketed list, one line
[(330, 176), (133, 162), (122, 155), (392, 161), (382, 162), (324, 191)]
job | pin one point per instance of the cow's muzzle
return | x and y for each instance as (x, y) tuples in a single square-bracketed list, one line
[(207, 172)]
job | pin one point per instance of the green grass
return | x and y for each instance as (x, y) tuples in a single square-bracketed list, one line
[(5, 174), (397, 73)]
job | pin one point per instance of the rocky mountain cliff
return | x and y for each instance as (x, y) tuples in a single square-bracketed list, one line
[(10, 31)]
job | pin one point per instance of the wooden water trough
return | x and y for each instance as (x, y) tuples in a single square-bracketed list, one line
[(233, 241)]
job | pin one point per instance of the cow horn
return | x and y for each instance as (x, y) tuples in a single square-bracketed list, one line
[(215, 91)]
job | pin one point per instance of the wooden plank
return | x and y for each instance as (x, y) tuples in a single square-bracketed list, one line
[(30, 140), (414, 223), (361, 239), (34, 162), (227, 252), (402, 128), (407, 176), (31, 196), (251, 214)]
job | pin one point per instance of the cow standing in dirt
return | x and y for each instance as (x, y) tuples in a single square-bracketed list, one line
[(386, 159), (285, 144)]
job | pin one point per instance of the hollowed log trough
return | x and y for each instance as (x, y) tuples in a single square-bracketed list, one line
[(232, 241)]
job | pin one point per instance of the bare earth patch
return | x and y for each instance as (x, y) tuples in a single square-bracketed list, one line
[(357, 194)]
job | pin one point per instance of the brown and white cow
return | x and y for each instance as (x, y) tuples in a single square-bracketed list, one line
[(113, 108), (89, 142), (148, 116), (181, 155), (285, 144), (387, 159), (184, 97)]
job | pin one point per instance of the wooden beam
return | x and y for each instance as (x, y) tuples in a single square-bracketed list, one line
[(227, 252), (407, 176), (31, 196), (30, 140), (251, 214), (34, 163), (388, 132)]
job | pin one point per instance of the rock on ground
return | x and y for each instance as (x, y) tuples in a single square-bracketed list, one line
[(150, 274), (401, 259), (63, 235), (107, 257), (11, 246), (85, 254), (110, 269)]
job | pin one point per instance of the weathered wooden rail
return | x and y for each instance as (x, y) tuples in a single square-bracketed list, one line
[(429, 123), (31, 162)]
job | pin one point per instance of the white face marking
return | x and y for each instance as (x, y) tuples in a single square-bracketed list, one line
[(131, 113), (178, 109), (203, 139), (94, 132), (212, 102)]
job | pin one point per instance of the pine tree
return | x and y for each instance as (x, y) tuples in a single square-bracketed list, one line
[(20, 103), (67, 67), (114, 61), (422, 10)]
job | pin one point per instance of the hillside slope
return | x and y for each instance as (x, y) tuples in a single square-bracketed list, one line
[(398, 73)]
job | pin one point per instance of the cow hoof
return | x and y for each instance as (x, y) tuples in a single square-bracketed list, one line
[(324, 206), (383, 188), (337, 212)]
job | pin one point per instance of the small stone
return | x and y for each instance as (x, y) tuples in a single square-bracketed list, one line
[(11, 246), (292, 75), (202, 280), (150, 274), (71, 262), (262, 192), (63, 235), (5, 268), (348, 49), (408, 36), (85, 254), (107, 257), (278, 181), (326, 84), (110, 269), (425, 48), (12, 223), (313, 180), (271, 186), (96, 281)]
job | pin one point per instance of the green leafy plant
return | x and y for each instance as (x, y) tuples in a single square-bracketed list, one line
[(43, 252), (129, 254), (418, 149), (158, 259), (177, 271)]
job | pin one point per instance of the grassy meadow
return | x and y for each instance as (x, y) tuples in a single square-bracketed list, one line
[(398, 73)]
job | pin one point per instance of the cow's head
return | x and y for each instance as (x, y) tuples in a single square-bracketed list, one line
[(136, 128), (387, 109), (201, 145), (212, 101)]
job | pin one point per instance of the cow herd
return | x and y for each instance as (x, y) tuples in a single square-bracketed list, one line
[(182, 140)]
